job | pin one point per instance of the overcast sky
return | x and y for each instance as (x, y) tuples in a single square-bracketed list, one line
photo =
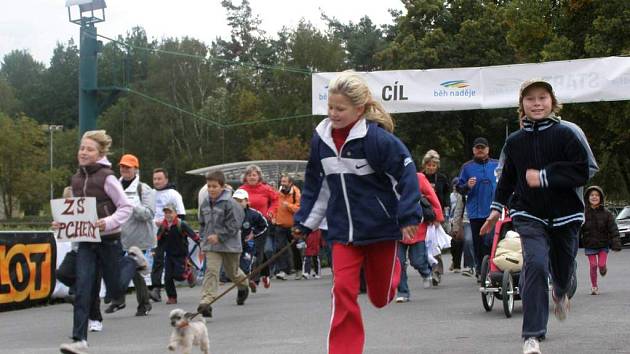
[(37, 25)]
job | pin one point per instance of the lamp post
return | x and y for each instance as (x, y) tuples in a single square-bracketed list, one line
[(51, 129), (89, 13)]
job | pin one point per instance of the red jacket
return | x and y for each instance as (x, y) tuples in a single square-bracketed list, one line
[(428, 192), (263, 198)]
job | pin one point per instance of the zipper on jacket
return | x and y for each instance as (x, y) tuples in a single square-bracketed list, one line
[(539, 163), (87, 176), (383, 206), (345, 196)]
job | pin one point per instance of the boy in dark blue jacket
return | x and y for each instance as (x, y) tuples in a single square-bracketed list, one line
[(254, 226), (546, 165), (173, 237)]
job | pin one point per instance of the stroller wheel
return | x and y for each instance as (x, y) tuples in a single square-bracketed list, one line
[(507, 293), (487, 297)]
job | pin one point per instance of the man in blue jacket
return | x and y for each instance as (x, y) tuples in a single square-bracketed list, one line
[(477, 182)]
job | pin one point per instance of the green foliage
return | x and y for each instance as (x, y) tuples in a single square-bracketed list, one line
[(24, 74), (274, 147), (24, 181), (9, 104)]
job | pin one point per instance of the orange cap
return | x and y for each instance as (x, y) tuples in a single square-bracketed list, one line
[(129, 161)]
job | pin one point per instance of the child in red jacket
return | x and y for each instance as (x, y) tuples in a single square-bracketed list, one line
[(311, 255), (415, 249)]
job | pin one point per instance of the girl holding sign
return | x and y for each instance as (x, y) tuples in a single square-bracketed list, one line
[(95, 178)]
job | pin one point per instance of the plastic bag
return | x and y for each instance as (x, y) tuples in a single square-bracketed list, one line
[(436, 241)]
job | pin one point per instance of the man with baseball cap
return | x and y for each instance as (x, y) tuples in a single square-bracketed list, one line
[(477, 182), (137, 234)]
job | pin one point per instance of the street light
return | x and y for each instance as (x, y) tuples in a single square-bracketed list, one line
[(86, 11), (51, 129), (89, 13)]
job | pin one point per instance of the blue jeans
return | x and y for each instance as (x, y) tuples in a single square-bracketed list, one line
[(469, 251), (90, 256), (417, 258), (545, 250), (263, 250), (481, 243)]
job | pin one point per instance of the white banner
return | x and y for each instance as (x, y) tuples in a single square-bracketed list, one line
[(77, 219), (400, 91)]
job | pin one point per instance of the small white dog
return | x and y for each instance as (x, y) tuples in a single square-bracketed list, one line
[(187, 332)]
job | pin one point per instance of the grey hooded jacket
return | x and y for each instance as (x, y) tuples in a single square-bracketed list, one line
[(224, 218), (139, 230)]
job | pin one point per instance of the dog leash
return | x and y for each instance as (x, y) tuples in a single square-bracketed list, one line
[(251, 274)]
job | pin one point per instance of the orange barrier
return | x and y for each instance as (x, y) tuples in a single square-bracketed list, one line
[(27, 268)]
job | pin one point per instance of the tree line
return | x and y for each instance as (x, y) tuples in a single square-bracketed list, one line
[(248, 97)]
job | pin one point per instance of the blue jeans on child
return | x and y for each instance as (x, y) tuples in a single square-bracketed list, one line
[(545, 250), (90, 256), (417, 258)]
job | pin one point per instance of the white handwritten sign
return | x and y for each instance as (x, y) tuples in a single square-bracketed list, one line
[(77, 219)]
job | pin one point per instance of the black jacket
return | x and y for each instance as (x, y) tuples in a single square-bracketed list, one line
[(253, 222), (599, 229), (557, 152), (442, 187), (174, 238)]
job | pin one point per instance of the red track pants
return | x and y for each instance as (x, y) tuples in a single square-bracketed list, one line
[(382, 275)]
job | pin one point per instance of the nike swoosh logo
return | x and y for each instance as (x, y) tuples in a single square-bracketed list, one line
[(361, 166)]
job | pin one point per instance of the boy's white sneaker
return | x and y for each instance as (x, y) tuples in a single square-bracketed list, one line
[(78, 347), (531, 346), (95, 326), (427, 282), (561, 306)]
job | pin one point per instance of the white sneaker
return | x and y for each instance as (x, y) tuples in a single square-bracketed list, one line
[(306, 276), (561, 306), (427, 282), (316, 276), (468, 272), (281, 275), (531, 346), (95, 326), (298, 275), (78, 347), (402, 299)]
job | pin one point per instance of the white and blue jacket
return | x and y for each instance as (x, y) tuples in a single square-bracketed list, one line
[(367, 192)]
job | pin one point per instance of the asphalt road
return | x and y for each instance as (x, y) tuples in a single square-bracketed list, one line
[(292, 317)]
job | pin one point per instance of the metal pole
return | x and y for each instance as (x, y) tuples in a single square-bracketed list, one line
[(50, 129), (87, 78)]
